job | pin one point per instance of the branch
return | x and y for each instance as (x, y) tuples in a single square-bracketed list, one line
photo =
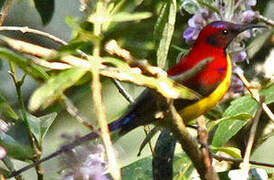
[(265, 20), (222, 158), (4, 11), (203, 139), (26, 29), (255, 121), (255, 95), (189, 145)]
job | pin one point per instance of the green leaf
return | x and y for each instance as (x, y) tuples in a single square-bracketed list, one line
[(228, 127), (139, 170), (40, 125), (2, 2), (16, 142), (182, 167), (54, 88), (5, 108), (125, 16), (30, 68), (232, 151), (243, 104), (45, 9), (163, 31), (268, 93)]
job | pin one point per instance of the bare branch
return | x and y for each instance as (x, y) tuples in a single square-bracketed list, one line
[(203, 139), (222, 158), (4, 11), (255, 95), (255, 121)]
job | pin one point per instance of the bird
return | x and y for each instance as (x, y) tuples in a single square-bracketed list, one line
[(211, 83)]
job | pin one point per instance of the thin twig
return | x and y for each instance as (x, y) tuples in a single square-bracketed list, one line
[(4, 11), (10, 166), (203, 139), (73, 111), (256, 96), (222, 158), (26, 29), (265, 20), (255, 121), (147, 131), (97, 94), (64, 148), (122, 91), (36, 147)]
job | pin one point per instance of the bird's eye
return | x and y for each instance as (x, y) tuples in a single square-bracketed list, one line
[(224, 31)]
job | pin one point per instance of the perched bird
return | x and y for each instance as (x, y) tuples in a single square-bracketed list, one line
[(212, 82)]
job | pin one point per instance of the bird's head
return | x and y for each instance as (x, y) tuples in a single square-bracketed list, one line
[(220, 33)]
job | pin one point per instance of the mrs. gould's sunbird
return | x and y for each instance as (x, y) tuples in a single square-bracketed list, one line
[(212, 82)]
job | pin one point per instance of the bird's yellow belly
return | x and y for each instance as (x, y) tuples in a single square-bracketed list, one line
[(202, 106)]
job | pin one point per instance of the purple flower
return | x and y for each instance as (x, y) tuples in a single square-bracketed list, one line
[(236, 85), (84, 162), (248, 16), (239, 57), (189, 34)]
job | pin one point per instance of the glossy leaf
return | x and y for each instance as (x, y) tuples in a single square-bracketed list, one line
[(228, 127), (16, 142), (40, 125), (163, 31), (226, 130), (45, 9), (241, 105), (164, 150), (54, 88)]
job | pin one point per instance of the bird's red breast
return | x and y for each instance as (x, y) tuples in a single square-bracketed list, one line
[(209, 78)]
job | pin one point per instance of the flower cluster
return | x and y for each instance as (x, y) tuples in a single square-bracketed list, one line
[(84, 162), (237, 11)]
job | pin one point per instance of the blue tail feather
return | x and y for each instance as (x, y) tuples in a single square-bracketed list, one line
[(122, 122)]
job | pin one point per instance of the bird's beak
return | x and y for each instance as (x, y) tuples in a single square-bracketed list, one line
[(244, 27)]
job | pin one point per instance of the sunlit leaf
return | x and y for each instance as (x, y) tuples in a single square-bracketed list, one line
[(228, 127), (30, 68), (241, 105), (125, 16), (163, 31), (232, 151), (163, 85), (45, 9), (54, 88)]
